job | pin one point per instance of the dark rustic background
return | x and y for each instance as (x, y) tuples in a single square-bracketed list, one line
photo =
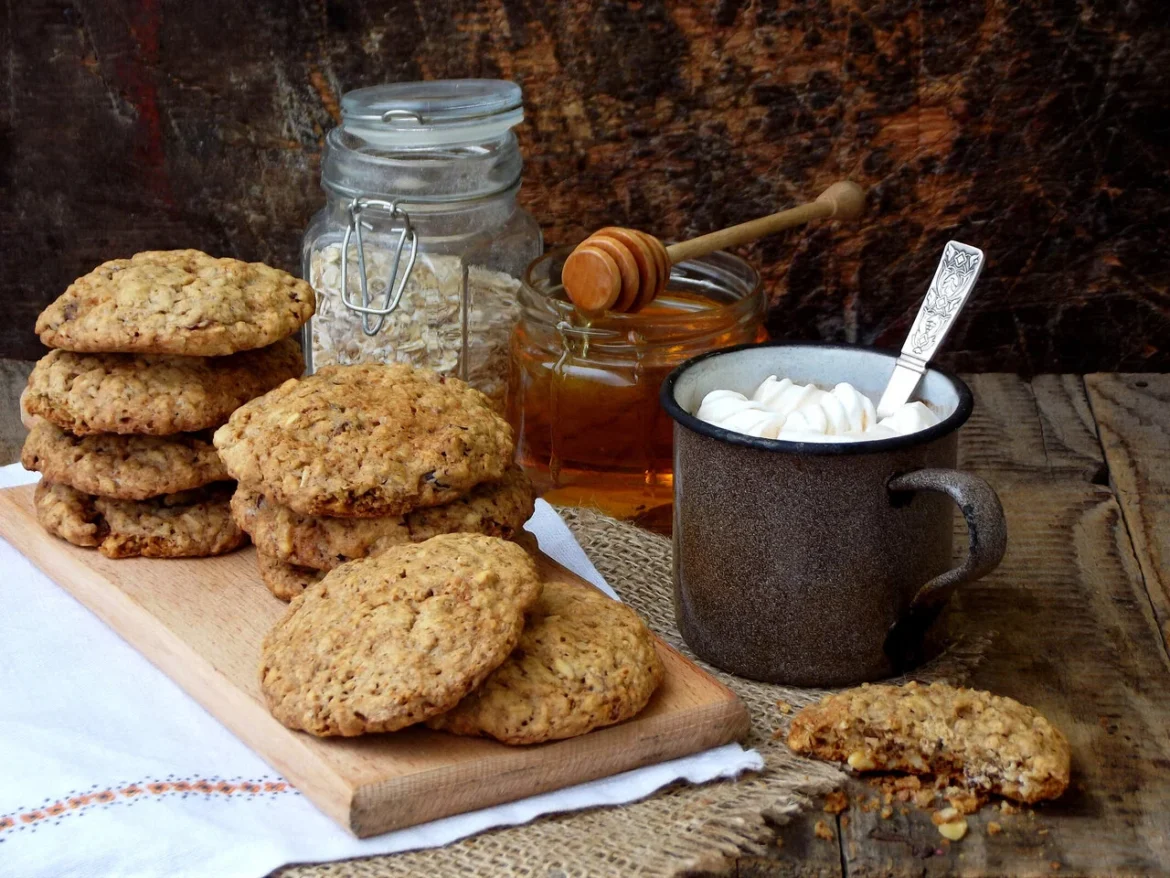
[(1035, 130)]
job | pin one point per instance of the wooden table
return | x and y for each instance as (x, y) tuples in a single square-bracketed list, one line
[(1079, 613), (1080, 616)]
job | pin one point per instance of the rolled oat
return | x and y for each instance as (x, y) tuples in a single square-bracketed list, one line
[(426, 329)]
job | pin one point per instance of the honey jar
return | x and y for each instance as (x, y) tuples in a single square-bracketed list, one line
[(583, 392)]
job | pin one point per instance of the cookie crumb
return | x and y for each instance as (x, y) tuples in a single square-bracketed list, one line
[(954, 831), (887, 812), (951, 824), (785, 707), (1054, 866), (836, 802), (859, 760), (994, 828), (924, 798), (945, 815), (822, 831), (962, 800)]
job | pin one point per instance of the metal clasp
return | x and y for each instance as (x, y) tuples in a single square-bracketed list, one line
[(374, 315)]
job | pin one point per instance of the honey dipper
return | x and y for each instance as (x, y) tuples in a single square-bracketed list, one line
[(617, 269)]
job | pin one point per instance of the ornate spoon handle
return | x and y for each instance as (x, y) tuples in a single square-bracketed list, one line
[(953, 281)]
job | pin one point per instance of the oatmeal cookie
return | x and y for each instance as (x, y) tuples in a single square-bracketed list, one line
[(497, 509), (192, 524), (155, 395), (124, 467), (987, 742), (177, 302), (385, 642), (366, 441), (285, 581), (584, 661)]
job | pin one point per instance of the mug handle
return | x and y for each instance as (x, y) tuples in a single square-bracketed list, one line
[(987, 537)]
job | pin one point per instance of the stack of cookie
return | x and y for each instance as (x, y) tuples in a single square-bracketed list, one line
[(436, 632), (354, 460), (151, 354), (392, 488)]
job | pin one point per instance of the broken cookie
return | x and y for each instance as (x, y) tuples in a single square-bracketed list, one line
[(986, 742)]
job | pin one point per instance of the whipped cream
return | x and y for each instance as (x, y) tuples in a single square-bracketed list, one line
[(783, 409)]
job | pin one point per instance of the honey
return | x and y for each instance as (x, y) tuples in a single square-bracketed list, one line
[(583, 394)]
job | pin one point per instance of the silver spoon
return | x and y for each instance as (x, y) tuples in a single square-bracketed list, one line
[(953, 280)]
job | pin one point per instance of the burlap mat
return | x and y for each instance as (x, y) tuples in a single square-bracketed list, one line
[(678, 828)]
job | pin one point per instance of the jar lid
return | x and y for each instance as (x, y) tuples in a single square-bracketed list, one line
[(435, 113)]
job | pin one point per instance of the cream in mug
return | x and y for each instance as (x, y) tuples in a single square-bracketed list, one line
[(783, 409)]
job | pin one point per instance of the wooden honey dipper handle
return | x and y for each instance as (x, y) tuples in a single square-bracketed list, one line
[(843, 200), (624, 269)]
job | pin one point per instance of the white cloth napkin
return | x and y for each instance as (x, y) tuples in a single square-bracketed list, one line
[(108, 768)]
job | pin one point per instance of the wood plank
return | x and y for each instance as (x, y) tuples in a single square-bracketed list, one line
[(798, 851), (1133, 414), (1071, 446), (1041, 431), (201, 622)]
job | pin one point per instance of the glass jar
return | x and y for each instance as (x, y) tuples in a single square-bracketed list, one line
[(583, 393), (420, 181)]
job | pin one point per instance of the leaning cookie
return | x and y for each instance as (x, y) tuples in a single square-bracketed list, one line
[(177, 302), (193, 524), (584, 661), (155, 395), (385, 642), (497, 509), (124, 467), (285, 581)]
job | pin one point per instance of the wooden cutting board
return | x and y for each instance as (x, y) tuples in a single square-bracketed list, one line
[(201, 622)]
